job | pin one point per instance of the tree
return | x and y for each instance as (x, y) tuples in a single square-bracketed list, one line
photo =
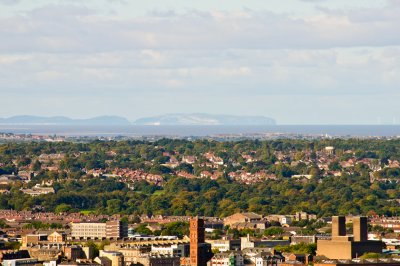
[(273, 231), (176, 229), (36, 165), (114, 206), (63, 208)]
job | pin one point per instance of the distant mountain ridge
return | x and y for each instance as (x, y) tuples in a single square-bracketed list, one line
[(62, 120), (168, 119), (205, 119)]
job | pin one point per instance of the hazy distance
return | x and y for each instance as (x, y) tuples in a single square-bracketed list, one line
[(297, 61)]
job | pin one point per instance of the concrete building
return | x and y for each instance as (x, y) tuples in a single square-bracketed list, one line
[(111, 229), (246, 242), (342, 246), (176, 250), (223, 245), (88, 230), (116, 229), (116, 258), (132, 254)]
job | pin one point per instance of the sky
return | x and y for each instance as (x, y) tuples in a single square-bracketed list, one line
[(298, 61)]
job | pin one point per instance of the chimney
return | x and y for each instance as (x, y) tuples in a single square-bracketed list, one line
[(338, 226), (360, 229)]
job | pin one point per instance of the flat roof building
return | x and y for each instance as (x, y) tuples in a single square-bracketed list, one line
[(111, 229), (343, 246)]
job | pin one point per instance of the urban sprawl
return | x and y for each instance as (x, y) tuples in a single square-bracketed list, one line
[(125, 202)]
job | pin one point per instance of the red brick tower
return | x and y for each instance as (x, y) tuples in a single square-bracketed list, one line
[(197, 258)]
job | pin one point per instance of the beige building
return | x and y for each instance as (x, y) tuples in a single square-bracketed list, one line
[(111, 229), (88, 230), (343, 246), (136, 255), (223, 245), (246, 217), (56, 237), (33, 239), (116, 258)]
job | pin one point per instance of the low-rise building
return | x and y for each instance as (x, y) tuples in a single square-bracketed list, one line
[(20, 262), (246, 242), (233, 258), (57, 237), (224, 245), (38, 190), (246, 217)]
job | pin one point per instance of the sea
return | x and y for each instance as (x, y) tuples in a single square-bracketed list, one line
[(204, 131)]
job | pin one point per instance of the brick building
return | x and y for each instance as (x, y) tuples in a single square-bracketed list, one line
[(200, 252), (343, 246)]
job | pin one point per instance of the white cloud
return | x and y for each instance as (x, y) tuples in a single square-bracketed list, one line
[(79, 29), (9, 2), (62, 50)]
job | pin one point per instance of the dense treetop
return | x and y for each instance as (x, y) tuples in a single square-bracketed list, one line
[(367, 186)]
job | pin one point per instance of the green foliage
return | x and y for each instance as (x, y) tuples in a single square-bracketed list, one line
[(12, 245), (309, 226), (372, 256), (41, 225), (273, 231), (322, 195), (95, 247), (301, 248), (36, 166), (143, 230), (63, 208), (3, 224), (176, 229), (216, 234)]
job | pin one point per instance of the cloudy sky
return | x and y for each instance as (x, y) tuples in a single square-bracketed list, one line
[(298, 61)]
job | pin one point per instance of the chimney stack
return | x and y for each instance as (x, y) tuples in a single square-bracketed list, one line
[(360, 229), (338, 226)]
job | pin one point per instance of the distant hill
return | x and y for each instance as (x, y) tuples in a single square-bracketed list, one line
[(168, 119), (62, 120), (204, 119)]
